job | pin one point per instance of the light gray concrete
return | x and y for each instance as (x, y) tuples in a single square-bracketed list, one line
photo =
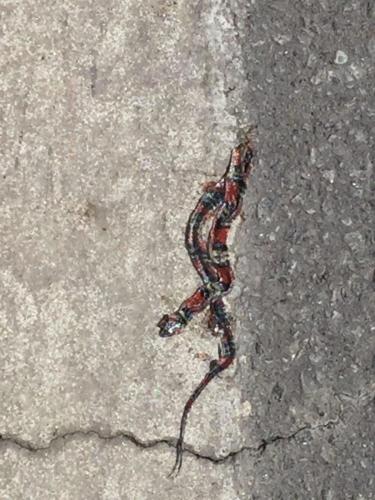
[(114, 114), (85, 467)]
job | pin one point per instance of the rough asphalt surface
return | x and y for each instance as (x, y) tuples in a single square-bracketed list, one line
[(307, 260), (114, 112)]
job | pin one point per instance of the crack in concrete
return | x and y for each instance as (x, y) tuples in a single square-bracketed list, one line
[(262, 447), (128, 436), (171, 442)]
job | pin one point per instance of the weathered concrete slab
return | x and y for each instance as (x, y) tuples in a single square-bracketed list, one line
[(113, 114), (84, 466)]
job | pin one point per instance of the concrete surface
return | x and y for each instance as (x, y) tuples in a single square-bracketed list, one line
[(113, 114)]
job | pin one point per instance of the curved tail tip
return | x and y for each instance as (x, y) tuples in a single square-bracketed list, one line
[(178, 463)]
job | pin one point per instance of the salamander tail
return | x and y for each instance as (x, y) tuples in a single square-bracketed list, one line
[(215, 369)]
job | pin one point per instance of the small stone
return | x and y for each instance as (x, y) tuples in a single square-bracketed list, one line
[(297, 198), (355, 240), (336, 315), (347, 221), (282, 39), (313, 155), (341, 57), (243, 360), (329, 175), (246, 409), (310, 211), (371, 47)]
